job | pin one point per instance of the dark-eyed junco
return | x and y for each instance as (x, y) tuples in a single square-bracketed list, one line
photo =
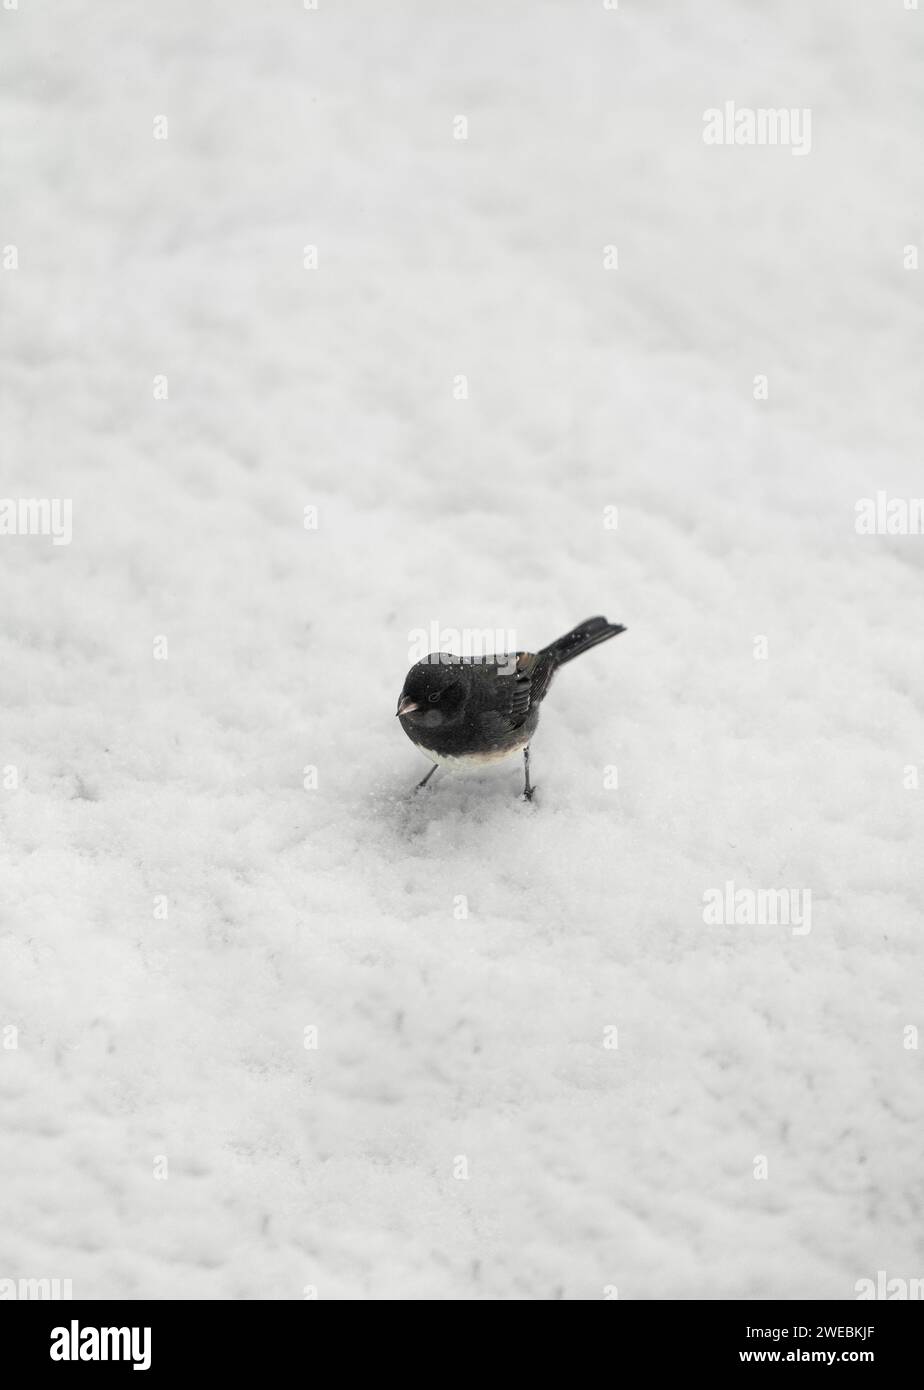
[(471, 711)]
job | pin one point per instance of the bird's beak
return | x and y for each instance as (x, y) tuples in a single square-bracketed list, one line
[(406, 705)]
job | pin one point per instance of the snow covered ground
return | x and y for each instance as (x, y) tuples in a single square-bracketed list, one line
[(178, 908)]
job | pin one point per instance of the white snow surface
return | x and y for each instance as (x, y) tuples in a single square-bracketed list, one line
[(448, 1043)]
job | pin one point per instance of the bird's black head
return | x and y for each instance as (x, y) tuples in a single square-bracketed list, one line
[(433, 693)]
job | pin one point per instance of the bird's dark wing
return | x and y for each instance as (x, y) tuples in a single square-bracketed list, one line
[(519, 687)]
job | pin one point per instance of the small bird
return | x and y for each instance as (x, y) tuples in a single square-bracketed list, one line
[(468, 712)]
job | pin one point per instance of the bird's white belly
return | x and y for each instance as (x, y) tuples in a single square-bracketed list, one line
[(471, 762)]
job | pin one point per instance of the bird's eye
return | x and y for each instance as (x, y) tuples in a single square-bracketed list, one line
[(435, 696)]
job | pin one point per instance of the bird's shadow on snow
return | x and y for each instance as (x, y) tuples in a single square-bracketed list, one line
[(482, 802)]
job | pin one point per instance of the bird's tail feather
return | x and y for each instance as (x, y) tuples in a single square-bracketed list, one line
[(580, 639)]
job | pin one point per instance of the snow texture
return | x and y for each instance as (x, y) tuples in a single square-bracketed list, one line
[(447, 1043)]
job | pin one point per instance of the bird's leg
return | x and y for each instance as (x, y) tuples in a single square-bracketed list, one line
[(527, 790), (426, 779)]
